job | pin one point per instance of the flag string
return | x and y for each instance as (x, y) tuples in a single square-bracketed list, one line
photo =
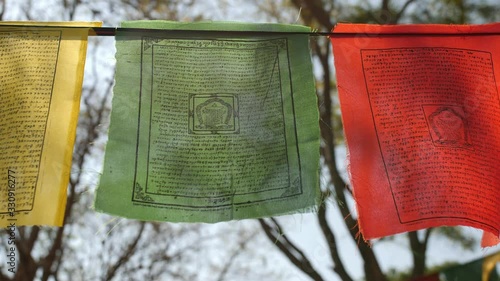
[(113, 31)]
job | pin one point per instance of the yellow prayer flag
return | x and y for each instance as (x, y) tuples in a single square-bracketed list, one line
[(41, 78)]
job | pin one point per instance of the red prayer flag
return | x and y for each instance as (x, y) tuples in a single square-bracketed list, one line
[(489, 240), (421, 112)]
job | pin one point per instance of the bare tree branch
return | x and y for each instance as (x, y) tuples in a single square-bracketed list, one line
[(402, 11), (3, 6), (419, 251), (27, 10), (126, 255), (427, 235), (27, 266), (48, 261), (230, 261), (385, 6), (372, 267), (338, 265), (293, 253)]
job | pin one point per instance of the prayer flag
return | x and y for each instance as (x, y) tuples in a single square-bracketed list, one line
[(211, 126), (420, 106), (483, 269), (41, 79)]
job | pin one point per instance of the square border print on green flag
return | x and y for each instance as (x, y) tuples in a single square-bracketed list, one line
[(209, 126)]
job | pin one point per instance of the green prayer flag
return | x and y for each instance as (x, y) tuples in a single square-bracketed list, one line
[(482, 269), (211, 126)]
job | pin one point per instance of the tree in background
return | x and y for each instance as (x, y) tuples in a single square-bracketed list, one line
[(93, 246), (336, 192)]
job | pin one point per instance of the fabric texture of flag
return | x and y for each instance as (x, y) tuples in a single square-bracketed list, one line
[(41, 77), (210, 126)]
